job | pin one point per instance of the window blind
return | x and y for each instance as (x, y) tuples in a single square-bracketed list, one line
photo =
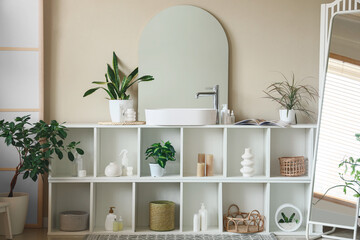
[(340, 121)]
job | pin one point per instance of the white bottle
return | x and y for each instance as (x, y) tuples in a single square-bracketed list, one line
[(223, 113), (80, 166), (203, 217), (196, 223), (109, 221), (227, 119), (124, 161), (232, 117)]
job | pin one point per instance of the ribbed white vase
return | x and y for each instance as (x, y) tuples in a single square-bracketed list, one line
[(247, 170)]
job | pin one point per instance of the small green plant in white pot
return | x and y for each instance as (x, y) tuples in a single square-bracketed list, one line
[(160, 154), (35, 144), (292, 97), (116, 89)]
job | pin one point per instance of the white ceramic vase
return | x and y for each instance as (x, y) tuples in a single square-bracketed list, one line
[(113, 170), (117, 109), (156, 170), (247, 170), (18, 211), (288, 116)]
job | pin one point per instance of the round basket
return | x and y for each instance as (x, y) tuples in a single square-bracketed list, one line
[(72, 221), (162, 215), (292, 166), (292, 214)]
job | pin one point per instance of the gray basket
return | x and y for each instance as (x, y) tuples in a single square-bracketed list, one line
[(72, 221)]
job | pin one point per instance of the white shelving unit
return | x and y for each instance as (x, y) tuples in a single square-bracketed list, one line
[(130, 196)]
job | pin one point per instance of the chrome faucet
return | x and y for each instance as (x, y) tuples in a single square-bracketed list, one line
[(215, 94)]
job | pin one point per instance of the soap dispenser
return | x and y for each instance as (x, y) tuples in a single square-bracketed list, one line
[(223, 113), (110, 218), (203, 217)]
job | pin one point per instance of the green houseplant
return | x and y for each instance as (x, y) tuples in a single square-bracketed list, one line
[(291, 96), (161, 154), (116, 88), (35, 144)]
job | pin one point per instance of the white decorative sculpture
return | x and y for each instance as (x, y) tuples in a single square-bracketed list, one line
[(247, 170)]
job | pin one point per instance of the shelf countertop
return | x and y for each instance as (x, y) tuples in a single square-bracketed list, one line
[(95, 125)]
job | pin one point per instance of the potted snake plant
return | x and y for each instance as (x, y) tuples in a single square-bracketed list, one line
[(35, 144), (160, 154), (119, 100), (292, 97)]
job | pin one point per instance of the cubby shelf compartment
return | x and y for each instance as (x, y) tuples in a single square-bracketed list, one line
[(68, 197), (248, 197), (293, 193), (111, 141), (291, 142), (66, 168), (257, 139), (196, 193), (202, 140), (131, 194), (118, 195), (155, 135), (148, 192)]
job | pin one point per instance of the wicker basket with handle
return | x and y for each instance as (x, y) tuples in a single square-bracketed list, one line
[(242, 222), (292, 166)]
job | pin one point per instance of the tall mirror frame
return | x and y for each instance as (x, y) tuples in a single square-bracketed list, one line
[(328, 12)]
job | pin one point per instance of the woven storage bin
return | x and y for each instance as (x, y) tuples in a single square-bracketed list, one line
[(292, 166), (72, 221), (162, 215), (243, 222)]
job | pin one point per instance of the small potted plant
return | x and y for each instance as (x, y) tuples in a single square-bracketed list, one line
[(116, 89), (161, 154), (292, 97), (35, 144), (286, 223)]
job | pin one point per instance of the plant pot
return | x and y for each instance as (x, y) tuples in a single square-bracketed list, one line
[(18, 211), (288, 210), (117, 109), (289, 227), (156, 170), (288, 116)]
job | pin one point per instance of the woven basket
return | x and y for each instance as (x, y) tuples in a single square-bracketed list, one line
[(242, 222), (292, 166), (162, 215)]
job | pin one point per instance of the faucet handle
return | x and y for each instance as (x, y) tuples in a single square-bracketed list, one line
[(212, 88)]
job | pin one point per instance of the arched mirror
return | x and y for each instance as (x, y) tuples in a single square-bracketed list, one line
[(186, 49), (333, 204)]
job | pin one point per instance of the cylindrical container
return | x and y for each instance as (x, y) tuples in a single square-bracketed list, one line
[(196, 223), (200, 170), (201, 157), (72, 221), (115, 226), (209, 159), (82, 173), (162, 215)]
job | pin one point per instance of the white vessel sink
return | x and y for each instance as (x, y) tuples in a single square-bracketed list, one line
[(180, 116)]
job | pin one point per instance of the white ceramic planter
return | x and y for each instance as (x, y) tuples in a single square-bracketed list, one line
[(18, 211), (288, 209), (117, 109), (288, 116), (156, 170)]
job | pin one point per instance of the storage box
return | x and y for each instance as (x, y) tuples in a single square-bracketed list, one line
[(73, 221)]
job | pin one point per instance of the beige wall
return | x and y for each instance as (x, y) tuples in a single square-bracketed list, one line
[(264, 37)]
